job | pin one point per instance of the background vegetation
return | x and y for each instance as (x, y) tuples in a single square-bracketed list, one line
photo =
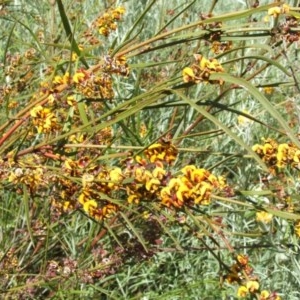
[(149, 149)]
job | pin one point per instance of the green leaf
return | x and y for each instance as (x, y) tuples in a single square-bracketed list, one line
[(259, 57), (69, 32), (222, 126), (262, 99)]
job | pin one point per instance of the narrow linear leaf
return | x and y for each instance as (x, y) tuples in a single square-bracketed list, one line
[(262, 99), (259, 57), (282, 214), (240, 14), (69, 32), (27, 214), (223, 127), (83, 115)]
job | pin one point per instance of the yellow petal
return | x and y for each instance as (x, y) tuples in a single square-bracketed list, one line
[(188, 71)]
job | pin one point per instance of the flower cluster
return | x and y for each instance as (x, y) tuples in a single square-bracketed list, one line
[(194, 186), (96, 85), (32, 177), (44, 119), (242, 273), (278, 155), (143, 179), (14, 84), (96, 188), (146, 184), (201, 70), (107, 22), (252, 288), (98, 184), (163, 151), (116, 65), (149, 173), (239, 269), (93, 86), (66, 90)]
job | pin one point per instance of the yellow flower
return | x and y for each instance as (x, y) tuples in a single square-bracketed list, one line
[(274, 11), (82, 198), (264, 217), (164, 151), (187, 170), (204, 194), (159, 173), (108, 210), (146, 215), (104, 31), (214, 65), (154, 146), (51, 99), (252, 286), (203, 62), (182, 192), (66, 206), (264, 295), (242, 259), (258, 148), (152, 185), (116, 175), (139, 174), (106, 22), (69, 164), (268, 148), (188, 74), (79, 77), (74, 56), (120, 9), (165, 193), (71, 100), (35, 111), (62, 79), (242, 292), (43, 119), (296, 156), (199, 175), (57, 79), (134, 198), (282, 153)]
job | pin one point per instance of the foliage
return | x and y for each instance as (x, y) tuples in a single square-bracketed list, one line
[(146, 159)]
